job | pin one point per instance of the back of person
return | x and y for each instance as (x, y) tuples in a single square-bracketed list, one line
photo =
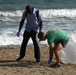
[(54, 36)]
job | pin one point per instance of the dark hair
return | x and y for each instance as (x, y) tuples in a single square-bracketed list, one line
[(40, 35), (28, 7)]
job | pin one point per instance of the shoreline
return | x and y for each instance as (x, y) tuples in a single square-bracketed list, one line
[(18, 46)]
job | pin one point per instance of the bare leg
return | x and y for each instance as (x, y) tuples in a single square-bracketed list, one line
[(57, 50)]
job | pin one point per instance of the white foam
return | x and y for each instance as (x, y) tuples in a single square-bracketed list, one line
[(50, 13), (11, 13), (47, 13)]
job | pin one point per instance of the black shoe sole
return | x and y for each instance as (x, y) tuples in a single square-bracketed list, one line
[(55, 65)]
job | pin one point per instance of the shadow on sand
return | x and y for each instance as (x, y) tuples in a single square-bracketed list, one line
[(14, 63)]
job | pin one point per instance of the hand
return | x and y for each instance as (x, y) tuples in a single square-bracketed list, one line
[(18, 34), (49, 61)]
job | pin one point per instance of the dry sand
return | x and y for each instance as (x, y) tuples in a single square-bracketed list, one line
[(28, 66)]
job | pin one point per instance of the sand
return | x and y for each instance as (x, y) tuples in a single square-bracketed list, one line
[(28, 65)]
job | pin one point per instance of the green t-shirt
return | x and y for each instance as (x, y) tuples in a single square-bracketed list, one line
[(54, 36)]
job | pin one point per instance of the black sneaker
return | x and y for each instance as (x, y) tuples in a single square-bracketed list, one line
[(19, 59), (55, 65), (37, 60)]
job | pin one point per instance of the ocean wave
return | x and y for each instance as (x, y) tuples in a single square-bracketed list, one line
[(17, 13), (47, 13), (10, 38), (50, 13)]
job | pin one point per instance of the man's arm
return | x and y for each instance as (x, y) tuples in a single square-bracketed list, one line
[(40, 19), (51, 47), (41, 25), (21, 24), (24, 15), (20, 27)]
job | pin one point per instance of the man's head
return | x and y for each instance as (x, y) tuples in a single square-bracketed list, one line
[(41, 36), (29, 9)]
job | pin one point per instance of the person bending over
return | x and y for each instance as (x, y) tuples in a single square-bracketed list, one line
[(57, 40)]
